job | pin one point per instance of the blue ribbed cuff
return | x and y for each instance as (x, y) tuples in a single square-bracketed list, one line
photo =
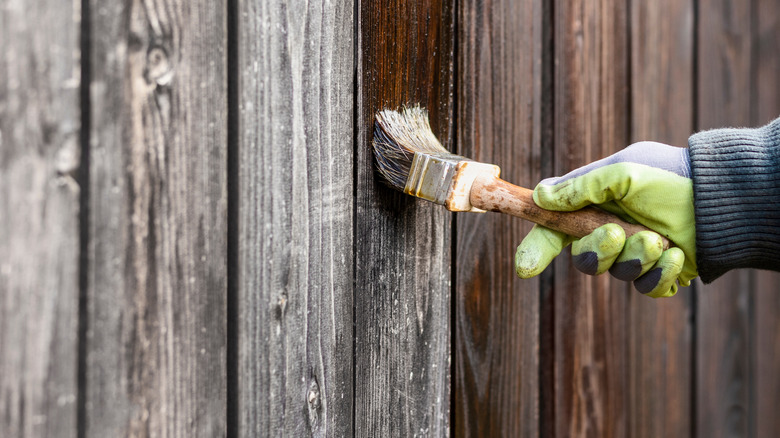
[(736, 188)]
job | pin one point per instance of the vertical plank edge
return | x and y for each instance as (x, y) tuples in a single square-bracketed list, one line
[(233, 366), (85, 109), (547, 155)]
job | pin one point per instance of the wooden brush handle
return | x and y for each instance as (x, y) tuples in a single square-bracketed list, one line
[(494, 194)]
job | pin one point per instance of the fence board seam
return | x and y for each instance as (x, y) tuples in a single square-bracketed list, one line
[(84, 200), (233, 404)]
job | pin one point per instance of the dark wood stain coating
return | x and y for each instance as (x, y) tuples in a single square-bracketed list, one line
[(660, 330), (296, 213), (590, 314), (403, 276), (39, 217), (725, 308), (497, 314), (156, 363)]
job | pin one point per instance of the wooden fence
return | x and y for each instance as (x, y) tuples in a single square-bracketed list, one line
[(193, 241)]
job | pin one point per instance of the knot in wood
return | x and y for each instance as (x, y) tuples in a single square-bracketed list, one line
[(281, 306), (313, 397), (158, 67), (68, 158)]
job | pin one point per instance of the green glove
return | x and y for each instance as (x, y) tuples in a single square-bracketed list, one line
[(647, 183)]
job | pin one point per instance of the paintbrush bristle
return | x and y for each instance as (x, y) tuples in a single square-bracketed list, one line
[(397, 136)]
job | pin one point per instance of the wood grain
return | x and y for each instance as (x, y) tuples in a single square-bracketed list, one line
[(661, 330), (766, 104), (295, 218), (497, 315), (724, 310), (39, 217), (402, 245), (156, 345), (590, 313)]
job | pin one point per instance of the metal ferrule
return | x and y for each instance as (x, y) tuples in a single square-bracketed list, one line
[(446, 179), (430, 176)]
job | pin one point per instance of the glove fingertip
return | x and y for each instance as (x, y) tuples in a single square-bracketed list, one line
[(538, 250), (648, 282), (531, 260), (528, 266), (672, 291), (627, 270), (595, 253), (641, 251), (668, 293), (661, 280)]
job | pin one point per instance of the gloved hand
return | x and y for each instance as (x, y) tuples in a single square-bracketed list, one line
[(647, 183)]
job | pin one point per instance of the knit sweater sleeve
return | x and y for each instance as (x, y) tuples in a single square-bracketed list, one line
[(736, 190)]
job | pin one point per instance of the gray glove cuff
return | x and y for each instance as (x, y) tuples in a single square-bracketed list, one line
[(736, 188)]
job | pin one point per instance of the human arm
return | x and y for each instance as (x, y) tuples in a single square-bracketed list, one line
[(714, 201)]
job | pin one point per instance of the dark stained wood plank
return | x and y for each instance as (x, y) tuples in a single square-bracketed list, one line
[(766, 47), (724, 309), (662, 37), (723, 356), (295, 218), (661, 332), (39, 217), (591, 122), (497, 314), (547, 396), (660, 371), (767, 348), (156, 346), (403, 275)]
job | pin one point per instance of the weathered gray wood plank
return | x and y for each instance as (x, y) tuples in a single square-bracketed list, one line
[(295, 218), (156, 345), (402, 295), (499, 113), (661, 330), (39, 217)]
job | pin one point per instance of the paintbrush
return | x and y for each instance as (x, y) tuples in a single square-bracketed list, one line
[(411, 159)]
